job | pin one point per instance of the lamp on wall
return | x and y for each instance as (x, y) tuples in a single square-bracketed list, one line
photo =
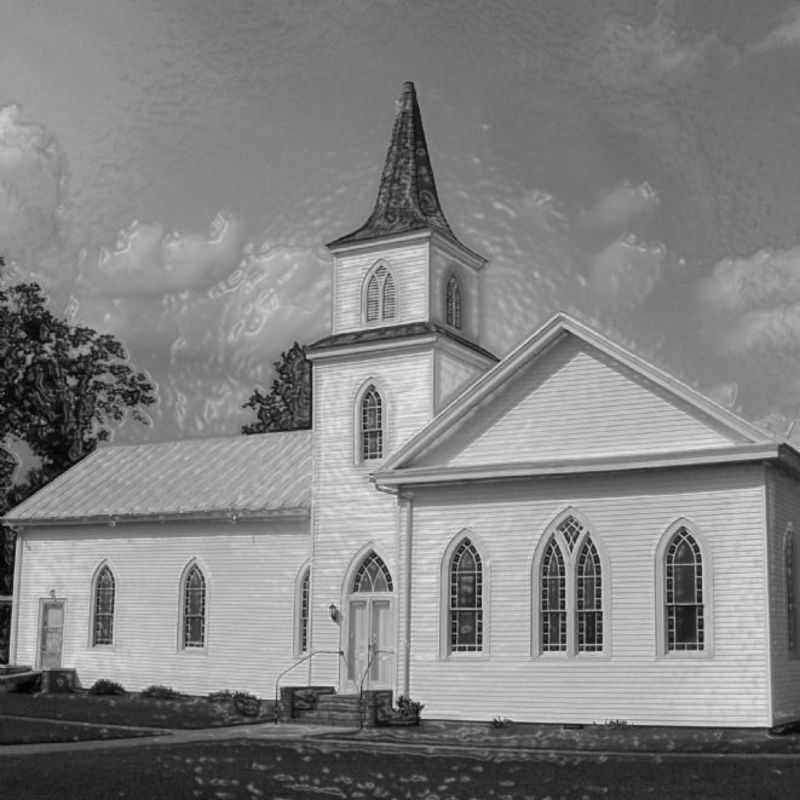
[(334, 612)]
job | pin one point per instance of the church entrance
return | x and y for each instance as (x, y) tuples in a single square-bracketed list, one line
[(51, 634), (370, 629)]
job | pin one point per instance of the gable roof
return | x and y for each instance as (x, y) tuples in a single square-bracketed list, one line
[(455, 414), (239, 476)]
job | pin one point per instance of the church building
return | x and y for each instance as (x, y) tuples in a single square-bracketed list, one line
[(566, 534)]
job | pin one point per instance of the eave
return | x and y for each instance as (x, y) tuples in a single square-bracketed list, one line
[(780, 454)]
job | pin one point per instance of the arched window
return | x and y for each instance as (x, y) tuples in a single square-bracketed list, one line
[(465, 609), (683, 593), (303, 605), (570, 575), (453, 302), (373, 575), (371, 444), (194, 608), (103, 622), (380, 301)]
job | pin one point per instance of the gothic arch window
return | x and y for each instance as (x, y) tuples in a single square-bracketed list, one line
[(370, 424), (465, 616), (303, 608), (104, 596), (372, 575), (570, 591), (193, 604), (683, 592), (380, 295), (453, 308)]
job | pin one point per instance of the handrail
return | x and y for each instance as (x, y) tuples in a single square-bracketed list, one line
[(297, 663), (375, 652)]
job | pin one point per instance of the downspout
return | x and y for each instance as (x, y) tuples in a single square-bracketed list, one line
[(15, 597)]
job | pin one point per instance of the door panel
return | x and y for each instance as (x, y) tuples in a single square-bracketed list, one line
[(52, 634), (358, 640), (382, 630)]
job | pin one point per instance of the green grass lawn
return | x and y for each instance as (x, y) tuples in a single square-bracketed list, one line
[(130, 709), (252, 770), (30, 731)]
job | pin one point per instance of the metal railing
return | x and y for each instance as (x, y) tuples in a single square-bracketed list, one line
[(373, 652), (297, 663)]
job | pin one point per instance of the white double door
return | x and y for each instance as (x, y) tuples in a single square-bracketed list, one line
[(370, 650)]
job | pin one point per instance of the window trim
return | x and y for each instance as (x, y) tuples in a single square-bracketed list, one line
[(661, 646), (457, 322), (190, 565), (358, 458), (303, 574), (103, 565), (382, 318), (571, 558), (445, 644)]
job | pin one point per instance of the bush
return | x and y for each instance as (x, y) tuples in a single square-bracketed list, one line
[(408, 708), (220, 697), (246, 704), (500, 721), (105, 686), (161, 692)]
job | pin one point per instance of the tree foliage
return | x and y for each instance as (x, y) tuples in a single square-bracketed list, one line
[(287, 406)]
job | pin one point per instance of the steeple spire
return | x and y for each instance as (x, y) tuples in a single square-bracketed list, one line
[(407, 198)]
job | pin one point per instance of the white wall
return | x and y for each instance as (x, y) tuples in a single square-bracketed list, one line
[(726, 685), (250, 572)]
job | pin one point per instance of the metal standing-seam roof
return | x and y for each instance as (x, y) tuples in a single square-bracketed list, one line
[(239, 476)]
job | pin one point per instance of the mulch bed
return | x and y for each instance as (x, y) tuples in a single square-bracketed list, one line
[(131, 709)]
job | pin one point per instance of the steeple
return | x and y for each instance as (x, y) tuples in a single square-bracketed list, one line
[(407, 199)]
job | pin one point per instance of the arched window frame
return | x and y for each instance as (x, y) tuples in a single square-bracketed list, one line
[(454, 302), (379, 306), (184, 643), (662, 647), (358, 421), (103, 568), (447, 649), (571, 556), (302, 612)]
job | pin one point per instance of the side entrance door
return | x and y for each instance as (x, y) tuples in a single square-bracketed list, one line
[(52, 634), (370, 637)]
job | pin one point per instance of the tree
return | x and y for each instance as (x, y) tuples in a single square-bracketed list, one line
[(287, 406), (62, 389)]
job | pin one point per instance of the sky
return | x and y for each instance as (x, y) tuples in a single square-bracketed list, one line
[(170, 172)]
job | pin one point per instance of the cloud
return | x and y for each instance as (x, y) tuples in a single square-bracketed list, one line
[(786, 34), (146, 261), (616, 210), (33, 182), (624, 273)]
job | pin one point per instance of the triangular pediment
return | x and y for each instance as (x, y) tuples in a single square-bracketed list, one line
[(569, 394)]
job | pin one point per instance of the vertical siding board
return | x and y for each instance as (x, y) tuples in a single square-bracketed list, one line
[(630, 515)]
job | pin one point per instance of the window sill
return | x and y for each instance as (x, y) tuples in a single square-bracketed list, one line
[(476, 655), (201, 651)]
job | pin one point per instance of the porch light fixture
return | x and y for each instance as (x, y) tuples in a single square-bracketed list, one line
[(334, 612)]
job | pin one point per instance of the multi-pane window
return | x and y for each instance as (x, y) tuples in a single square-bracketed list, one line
[(453, 302), (788, 555), (194, 608), (373, 575), (381, 298), (302, 633), (683, 593), (570, 591), (371, 424), (466, 599), (103, 622)]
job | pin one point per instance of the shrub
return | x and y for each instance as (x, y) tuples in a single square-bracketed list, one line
[(408, 708), (501, 722), (161, 692), (105, 686), (221, 697), (246, 704)]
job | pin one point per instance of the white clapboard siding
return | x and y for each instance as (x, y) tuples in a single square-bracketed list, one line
[(784, 500), (573, 402), (409, 267), (627, 515), (250, 571), (452, 376), (349, 515)]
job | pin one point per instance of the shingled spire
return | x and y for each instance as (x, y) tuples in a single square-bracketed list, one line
[(407, 198)]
